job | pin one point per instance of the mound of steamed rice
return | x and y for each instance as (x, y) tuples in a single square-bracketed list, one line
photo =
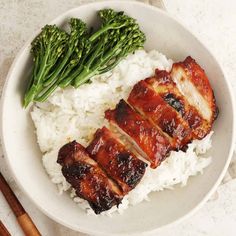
[(75, 114)]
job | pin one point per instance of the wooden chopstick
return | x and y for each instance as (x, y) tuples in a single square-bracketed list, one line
[(3, 230), (23, 218)]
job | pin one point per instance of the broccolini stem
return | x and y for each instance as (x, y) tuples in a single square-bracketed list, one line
[(66, 81), (53, 77), (29, 96), (83, 77), (47, 93), (104, 29), (33, 74), (31, 93), (86, 74)]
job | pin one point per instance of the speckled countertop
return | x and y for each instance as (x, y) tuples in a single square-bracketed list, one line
[(213, 22)]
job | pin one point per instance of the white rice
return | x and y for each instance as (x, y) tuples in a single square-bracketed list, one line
[(75, 114)]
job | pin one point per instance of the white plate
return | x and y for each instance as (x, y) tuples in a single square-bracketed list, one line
[(24, 158)]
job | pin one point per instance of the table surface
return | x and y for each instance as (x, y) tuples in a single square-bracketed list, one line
[(213, 22)]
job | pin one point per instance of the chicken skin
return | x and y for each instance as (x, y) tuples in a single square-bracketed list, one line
[(196, 88), (119, 163), (87, 178), (149, 140), (164, 85), (150, 104)]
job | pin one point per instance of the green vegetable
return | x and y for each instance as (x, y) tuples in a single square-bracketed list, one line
[(118, 36), (46, 49), (74, 50), (62, 59)]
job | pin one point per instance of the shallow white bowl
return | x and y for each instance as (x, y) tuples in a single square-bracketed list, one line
[(24, 158)]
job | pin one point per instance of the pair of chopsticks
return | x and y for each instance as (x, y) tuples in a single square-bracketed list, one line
[(23, 218)]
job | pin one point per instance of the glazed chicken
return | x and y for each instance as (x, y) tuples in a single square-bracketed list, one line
[(151, 105), (149, 140), (196, 88), (163, 113), (164, 85), (120, 164), (87, 178)]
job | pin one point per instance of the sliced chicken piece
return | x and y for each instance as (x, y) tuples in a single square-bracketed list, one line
[(87, 178), (151, 105), (118, 162), (149, 140), (164, 85), (195, 86)]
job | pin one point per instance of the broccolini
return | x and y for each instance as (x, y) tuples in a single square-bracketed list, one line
[(62, 59)]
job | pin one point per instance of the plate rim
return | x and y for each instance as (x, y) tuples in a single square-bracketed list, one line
[(81, 229)]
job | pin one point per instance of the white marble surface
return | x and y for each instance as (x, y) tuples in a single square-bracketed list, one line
[(214, 22)]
